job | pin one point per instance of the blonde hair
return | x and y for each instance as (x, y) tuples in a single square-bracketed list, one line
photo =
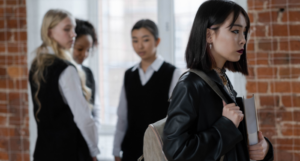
[(43, 60)]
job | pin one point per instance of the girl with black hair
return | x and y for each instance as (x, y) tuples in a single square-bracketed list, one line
[(145, 92), (85, 41), (200, 125)]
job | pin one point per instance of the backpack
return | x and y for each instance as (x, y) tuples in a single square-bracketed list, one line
[(153, 138)]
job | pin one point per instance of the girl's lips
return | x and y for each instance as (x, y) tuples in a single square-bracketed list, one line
[(241, 51)]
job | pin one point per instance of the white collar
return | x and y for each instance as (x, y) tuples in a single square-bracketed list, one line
[(155, 65), (79, 65), (49, 50)]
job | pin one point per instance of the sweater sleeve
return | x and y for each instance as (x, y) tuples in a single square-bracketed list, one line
[(121, 123)]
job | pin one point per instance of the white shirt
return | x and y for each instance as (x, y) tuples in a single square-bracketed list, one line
[(71, 91), (122, 107), (96, 109)]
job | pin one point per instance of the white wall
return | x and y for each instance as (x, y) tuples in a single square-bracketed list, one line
[(84, 9), (238, 80), (165, 9)]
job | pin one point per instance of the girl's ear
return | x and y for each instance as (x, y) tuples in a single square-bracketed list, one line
[(157, 42), (208, 36)]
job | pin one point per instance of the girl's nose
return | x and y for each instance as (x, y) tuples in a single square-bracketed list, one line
[(140, 45), (73, 34), (243, 40)]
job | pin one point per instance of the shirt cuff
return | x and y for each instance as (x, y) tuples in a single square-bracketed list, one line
[(116, 152), (95, 152)]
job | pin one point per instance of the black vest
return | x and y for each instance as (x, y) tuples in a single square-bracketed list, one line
[(58, 136), (90, 82), (146, 104)]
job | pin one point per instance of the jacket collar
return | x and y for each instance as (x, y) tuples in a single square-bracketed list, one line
[(213, 75)]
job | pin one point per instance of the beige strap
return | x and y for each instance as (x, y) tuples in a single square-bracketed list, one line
[(212, 84), (222, 158), (206, 79), (140, 158)]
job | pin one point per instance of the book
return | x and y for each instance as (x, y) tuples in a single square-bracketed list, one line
[(251, 120)]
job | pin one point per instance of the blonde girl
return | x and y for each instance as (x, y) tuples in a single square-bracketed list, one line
[(66, 130)]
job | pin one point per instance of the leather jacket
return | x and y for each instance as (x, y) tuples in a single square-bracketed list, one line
[(195, 129)]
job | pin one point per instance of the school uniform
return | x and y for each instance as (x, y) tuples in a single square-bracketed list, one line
[(66, 130), (144, 100), (91, 84)]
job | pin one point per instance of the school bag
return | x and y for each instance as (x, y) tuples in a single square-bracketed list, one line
[(152, 148)]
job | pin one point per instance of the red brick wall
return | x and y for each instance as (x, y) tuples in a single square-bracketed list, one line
[(274, 64), (14, 120)]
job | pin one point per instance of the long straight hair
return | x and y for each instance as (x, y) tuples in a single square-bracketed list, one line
[(213, 12)]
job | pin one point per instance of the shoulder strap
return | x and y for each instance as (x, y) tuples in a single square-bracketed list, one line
[(211, 83)]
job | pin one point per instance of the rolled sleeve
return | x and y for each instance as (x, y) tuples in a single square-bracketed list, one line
[(121, 123), (96, 110), (70, 87)]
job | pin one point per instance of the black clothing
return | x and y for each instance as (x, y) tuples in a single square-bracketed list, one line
[(90, 82), (146, 104), (196, 130), (58, 138)]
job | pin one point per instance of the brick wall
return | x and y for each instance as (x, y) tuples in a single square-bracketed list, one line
[(274, 64), (14, 120)]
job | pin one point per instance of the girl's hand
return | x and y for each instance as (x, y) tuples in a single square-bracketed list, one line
[(233, 113), (94, 159), (259, 150)]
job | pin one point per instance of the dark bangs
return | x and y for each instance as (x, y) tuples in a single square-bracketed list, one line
[(213, 12), (147, 24)]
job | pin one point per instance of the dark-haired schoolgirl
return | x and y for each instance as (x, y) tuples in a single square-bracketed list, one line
[(85, 41), (144, 96), (200, 126)]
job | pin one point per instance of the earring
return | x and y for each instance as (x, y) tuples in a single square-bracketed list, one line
[(210, 45)]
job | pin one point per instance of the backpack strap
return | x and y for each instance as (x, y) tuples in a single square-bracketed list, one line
[(210, 83), (140, 158)]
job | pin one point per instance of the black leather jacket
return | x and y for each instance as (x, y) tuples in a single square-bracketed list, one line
[(196, 130)]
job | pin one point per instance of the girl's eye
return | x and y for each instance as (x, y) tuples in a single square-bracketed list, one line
[(80, 50), (235, 31), (67, 30), (146, 40), (134, 41)]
